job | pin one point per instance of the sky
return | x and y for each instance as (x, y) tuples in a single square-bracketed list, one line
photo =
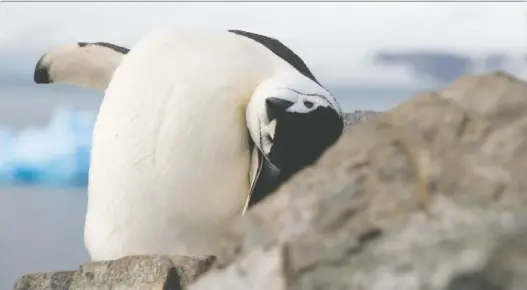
[(336, 40)]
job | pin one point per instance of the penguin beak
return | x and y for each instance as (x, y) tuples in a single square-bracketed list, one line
[(276, 106)]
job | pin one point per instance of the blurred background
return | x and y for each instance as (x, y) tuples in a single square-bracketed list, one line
[(370, 55)]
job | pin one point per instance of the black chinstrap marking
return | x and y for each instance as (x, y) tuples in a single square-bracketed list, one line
[(300, 139), (314, 95)]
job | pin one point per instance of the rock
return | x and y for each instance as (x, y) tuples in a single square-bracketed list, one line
[(262, 269), (146, 272), (53, 280), (505, 268), (415, 198), (358, 117)]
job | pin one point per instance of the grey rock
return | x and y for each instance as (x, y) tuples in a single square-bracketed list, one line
[(419, 197), (53, 280), (139, 272), (262, 269), (358, 117), (505, 268)]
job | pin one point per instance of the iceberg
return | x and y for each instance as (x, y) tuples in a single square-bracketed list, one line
[(55, 155)]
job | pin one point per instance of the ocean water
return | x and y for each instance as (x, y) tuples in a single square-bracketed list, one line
[(41, 228)]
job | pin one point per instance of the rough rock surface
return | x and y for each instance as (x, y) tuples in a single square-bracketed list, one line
[(427, 196), (420, 197), (130, 273), (357, 117)]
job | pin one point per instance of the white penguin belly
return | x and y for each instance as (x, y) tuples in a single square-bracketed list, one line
[(170, 157)]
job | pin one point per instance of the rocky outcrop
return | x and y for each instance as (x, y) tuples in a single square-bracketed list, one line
[(413, 199), (429, 195), (357, 117), (130, 273)]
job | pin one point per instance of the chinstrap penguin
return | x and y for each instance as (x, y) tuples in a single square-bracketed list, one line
[(184, 117)]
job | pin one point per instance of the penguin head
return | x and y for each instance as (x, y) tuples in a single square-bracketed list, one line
[(293, 120)]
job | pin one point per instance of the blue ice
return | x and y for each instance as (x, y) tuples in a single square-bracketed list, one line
[(54, 155)]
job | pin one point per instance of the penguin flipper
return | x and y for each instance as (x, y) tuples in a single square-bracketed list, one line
[(88, 65)]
